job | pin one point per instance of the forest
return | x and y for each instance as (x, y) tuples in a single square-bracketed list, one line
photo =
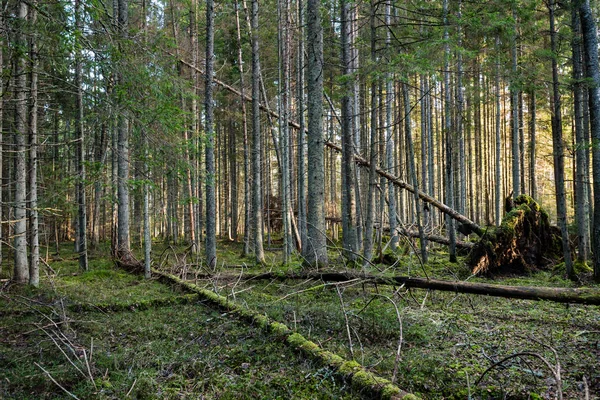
[(308, 199)]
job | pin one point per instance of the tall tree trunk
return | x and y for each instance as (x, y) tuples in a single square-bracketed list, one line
[(590, 41), (211, 234), (581, 169), (374, 151), (123, 237), (315, 252), (301, 135), (449, 138), (247, 179), (514, 102), (557, 145), (498, 215), (350, 244), (257, 219), (79, 132), (34, 262), (460, 128), (389, 140), (1, 137), (21, 269), (412, 170), (288, 242)]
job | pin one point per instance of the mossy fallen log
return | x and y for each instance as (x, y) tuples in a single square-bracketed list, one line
[(361, 380), (524, 242)]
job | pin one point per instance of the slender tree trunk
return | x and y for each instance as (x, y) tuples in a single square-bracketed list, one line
[(374, 151), (460, 128), (532, 145), (350, 243), (412, 169), (315, 252), (590, 41), (449, 138), (302, 223), (257, 219), (21, 268), (211, 234), (288, 242), (581, 195), (498, 168), (514, 102), (557, 144), (247, 178), (79, 132), (34, 262), (123, 237)]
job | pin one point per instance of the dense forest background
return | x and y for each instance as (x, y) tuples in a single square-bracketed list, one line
[(293, 125)]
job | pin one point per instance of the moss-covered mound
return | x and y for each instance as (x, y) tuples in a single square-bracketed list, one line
[(524, 242)]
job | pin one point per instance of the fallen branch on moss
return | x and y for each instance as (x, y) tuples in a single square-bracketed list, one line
[(361, 379), (559, 295)]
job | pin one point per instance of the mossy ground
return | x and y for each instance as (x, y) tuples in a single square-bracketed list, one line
[(169, 351), (189, 350)]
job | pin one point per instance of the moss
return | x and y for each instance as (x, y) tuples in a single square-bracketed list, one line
[(279, 328), (349, 367)]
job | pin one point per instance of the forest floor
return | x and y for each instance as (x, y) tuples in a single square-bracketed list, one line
[(108, 334)]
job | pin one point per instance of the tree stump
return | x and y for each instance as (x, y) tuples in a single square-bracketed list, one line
[(524, 242)]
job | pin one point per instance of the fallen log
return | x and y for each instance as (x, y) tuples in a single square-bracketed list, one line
[(559, 295)]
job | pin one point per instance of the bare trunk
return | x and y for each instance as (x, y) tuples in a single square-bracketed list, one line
[(211, 234), (21, 268), (558, 151), (315, 253)]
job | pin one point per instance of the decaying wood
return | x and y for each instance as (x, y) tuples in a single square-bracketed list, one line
[(559, 295), (437, 239), (524, 242)]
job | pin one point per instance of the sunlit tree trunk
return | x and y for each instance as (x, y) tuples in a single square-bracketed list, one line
[(123, 237), (302, 227), (21, 268)]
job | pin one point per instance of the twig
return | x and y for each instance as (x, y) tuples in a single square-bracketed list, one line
[(131, 388), (346, 319), (56, 383)]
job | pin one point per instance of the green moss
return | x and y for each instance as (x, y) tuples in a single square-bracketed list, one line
[(279, 328)]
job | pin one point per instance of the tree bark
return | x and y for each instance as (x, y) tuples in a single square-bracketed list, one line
[(350, 243), (21, 268), (34, 244), (315, 252), (590, 40), (257, 219), (558, 151), (211, 234)]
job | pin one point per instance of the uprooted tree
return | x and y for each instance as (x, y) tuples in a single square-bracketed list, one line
[(524, 242)]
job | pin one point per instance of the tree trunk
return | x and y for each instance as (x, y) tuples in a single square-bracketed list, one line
[(301, 132), (514, 102), (590, 41), (350, 244), (211, 234), (21, 268), (315, 252), (79, 132), (558, 145), (449, 138), (257, 219), (581, 145), (498, 168), (34, 262), (370, 217)]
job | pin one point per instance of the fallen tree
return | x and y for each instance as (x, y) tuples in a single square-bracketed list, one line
[(559, 295)]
